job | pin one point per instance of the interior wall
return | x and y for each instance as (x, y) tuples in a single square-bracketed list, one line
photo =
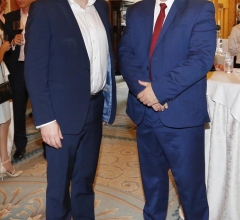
[(225, 13), (232, 14), (8, 7), (230, 20)]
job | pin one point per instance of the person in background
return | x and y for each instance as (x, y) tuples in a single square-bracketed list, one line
[(164, 58), (14, 60), (3, 6), (238, 14), (234, 45), (71, 82), (6, 167)]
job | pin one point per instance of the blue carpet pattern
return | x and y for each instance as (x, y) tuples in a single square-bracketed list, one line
[(118, 188)]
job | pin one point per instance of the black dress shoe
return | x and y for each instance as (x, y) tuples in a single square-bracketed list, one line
[(19, 153)]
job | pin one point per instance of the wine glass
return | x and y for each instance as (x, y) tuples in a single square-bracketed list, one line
[(18, 26), (4, 38)]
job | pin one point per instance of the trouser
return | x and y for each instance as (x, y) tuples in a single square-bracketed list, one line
[(76, 161), (20, 99), (182, 150)]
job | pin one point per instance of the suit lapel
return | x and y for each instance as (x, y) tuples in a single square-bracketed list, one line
[(68, 14), (18, 15), (148, 17), (176, 6)]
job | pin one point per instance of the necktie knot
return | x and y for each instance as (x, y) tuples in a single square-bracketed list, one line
[(163, 6)]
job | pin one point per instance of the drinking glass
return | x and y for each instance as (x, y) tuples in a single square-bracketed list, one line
[(228, 63), (5, 38), (18, 26)]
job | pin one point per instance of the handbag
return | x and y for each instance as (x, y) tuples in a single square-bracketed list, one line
[(5, 90)]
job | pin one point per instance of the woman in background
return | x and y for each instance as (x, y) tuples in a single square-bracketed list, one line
[(3, 5), (234, 45), (6, 167)]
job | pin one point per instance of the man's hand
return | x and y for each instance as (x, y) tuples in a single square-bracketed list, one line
[(147, 96), (17, 40), (52, 135), (158, 107)]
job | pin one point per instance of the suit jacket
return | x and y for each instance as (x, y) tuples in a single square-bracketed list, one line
[(11, 56), (182, 57), (57, 67)]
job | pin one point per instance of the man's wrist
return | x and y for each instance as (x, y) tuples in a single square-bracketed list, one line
[(12, 45), (40, 126)]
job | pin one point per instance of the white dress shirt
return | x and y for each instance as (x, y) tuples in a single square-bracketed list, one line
[(95, 39), (23, 19), (157, 9), (96, 43)]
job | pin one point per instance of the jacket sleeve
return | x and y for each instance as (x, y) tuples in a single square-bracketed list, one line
[(38, 40), (199, 59), (129, 65)]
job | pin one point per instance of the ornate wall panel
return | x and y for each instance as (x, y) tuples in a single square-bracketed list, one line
[(8, 6), (225, 15), (232, 14)]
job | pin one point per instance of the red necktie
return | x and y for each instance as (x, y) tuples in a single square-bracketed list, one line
[(157, 30)]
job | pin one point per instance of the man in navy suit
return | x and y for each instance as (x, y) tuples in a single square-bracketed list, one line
[(71, 83), (167, 98), (14, 60)]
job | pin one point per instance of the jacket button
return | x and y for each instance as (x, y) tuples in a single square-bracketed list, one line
[(147, 68)]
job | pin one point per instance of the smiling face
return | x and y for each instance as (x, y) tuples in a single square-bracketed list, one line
[(24, 3)]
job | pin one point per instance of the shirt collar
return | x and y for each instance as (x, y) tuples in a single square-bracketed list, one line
[(90, 2), (167, 2), (21, 13)]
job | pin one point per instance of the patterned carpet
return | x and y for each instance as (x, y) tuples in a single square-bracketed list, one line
[(118, 187)]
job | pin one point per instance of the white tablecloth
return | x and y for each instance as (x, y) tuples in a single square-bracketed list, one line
[(222, 146)]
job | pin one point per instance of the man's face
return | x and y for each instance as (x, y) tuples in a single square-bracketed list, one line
[(24, 3)]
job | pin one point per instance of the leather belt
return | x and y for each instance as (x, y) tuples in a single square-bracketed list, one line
[(94, 95)]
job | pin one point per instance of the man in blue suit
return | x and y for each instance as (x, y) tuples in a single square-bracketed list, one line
[(71, 83), (167, 98)]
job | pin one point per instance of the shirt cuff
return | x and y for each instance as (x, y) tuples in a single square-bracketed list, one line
[(40, 126), (13, 47)]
